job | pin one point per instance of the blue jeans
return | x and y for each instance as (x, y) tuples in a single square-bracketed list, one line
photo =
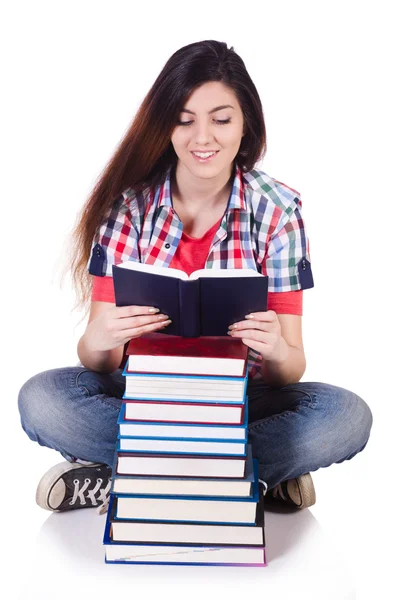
[(293, 430)]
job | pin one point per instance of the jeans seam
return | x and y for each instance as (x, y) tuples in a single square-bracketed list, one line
[(312, 398), (103, 401), (286, 413), (87, 393), (271, 419), (80, 386)]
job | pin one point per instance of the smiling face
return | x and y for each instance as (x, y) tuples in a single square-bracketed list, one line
[(211, 121)]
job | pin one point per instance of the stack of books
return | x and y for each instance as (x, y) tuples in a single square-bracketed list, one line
[(185, 487)]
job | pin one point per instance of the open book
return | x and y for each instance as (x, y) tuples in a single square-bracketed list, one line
[(204, 303)]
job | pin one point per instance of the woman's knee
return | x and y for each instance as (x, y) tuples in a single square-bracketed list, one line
[(359, 420), (347, 421), (335, 426), (43, 399)]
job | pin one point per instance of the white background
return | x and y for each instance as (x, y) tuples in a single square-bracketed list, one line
[(73, 75)]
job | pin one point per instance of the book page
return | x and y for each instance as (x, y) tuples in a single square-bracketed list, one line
[(224, 273), (165, 271)]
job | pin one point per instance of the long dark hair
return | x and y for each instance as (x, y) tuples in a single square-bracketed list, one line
[(145, 153)]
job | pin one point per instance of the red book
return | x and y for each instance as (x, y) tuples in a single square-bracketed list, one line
[(179, 465), (207, 355), (182, 412)]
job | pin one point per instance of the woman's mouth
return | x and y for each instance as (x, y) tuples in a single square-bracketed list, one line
[(204, 157)]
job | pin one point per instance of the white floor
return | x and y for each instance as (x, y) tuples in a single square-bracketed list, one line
[(68, 546)]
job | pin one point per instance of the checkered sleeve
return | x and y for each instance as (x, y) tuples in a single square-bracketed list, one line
[(287, 259), (115, 241)]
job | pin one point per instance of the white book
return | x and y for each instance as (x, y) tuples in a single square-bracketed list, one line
[(185, 364), (184, 554), (156, 430), (185, 391), (183, 509), (192, 466), (182, 391), (186, 383), (180, 446), (190, 387), (188, 486), (181, 533), (132, 391), (192, 413), (168, 486)]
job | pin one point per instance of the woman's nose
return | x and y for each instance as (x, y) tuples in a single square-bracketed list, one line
[(203, 133)]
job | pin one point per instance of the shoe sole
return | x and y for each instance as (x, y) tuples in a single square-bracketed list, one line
[(306, 490), (50, 478)]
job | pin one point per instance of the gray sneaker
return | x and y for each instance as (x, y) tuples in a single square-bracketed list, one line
[(298, 493), (69, 485)]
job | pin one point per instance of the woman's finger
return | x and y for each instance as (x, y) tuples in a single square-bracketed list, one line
[(244, 325)]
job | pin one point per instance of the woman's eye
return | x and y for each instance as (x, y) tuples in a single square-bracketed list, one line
[(217, 121)]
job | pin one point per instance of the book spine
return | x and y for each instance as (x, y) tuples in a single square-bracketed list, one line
[(189, 308)]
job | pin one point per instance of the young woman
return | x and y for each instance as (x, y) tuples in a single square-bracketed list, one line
[(182, 191)]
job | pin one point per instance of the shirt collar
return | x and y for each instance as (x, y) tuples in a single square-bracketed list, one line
[(236, 199)]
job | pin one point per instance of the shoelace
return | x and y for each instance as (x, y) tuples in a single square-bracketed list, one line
[(104, 506), (264, 485), (78, 494), (277, 491)]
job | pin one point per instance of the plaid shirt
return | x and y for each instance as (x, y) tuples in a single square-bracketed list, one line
[(262, 229)]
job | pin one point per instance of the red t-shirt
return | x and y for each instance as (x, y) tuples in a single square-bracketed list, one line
[(191, 255)]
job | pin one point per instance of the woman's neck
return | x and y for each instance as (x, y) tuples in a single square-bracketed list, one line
[(196, 193)]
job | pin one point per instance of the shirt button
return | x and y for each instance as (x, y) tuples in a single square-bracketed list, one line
[(168, 246), (172, 211)]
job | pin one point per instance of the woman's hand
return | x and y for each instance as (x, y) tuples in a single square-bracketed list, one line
[(261, 331), (117, 325)]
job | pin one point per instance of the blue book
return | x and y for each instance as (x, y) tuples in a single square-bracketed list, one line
[(193, 509), (186, 446), (150, 542), (204, 303), (148, 485), (203, 555), (173, 444), (156, 429), (185, 388), (153, 543)]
